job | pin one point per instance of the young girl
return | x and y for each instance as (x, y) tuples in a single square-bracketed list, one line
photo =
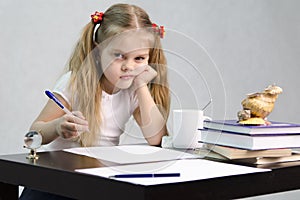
[(117, 70)]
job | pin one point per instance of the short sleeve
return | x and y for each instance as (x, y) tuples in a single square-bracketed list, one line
[(61, 87)]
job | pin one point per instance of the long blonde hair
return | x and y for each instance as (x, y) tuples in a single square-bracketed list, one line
[(85, 82)]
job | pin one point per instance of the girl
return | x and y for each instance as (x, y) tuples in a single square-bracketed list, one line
[(117, 70), (108, 80)]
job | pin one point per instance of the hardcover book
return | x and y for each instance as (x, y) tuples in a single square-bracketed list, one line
[(234, 126), (250, 142), (269, 160), (236, 153)]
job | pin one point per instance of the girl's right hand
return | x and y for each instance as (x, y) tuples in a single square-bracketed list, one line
[(144, 76), (70, 126)]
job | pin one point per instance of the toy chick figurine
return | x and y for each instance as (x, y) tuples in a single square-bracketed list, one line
[(257, 106)]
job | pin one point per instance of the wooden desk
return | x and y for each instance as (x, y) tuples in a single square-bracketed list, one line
[(54, 172)]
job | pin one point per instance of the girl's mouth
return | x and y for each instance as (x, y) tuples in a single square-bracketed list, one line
[(126, 77)]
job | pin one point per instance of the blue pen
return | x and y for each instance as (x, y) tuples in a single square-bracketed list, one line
[(52, 97), (163, 175)]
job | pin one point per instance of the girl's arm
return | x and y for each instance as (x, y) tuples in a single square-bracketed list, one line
[(53, 122), (147, 115)]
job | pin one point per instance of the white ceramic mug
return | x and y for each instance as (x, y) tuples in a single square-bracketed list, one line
[(186, 123)]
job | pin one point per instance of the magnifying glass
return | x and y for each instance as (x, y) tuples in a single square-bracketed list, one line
[(33, 141)]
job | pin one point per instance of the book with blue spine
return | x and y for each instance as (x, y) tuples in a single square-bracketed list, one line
[(272, 129)]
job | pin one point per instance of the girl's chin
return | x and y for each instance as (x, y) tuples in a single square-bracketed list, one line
[(124, 86)]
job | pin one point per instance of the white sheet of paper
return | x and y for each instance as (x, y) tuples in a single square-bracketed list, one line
[(129, 154), (194, 169)]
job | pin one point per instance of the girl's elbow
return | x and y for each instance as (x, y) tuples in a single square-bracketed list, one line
[(156, 139), (154, 142)]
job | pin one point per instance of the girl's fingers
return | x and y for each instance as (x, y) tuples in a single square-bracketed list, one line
[(140, 69), (70, 129), (72, 125), (76, 119), (75, 127), (78, 114)]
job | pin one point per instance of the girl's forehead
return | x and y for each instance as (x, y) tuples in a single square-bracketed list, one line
[(131, 41)]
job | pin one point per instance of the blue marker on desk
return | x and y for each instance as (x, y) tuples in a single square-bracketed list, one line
[(52, 97), (163, 175)]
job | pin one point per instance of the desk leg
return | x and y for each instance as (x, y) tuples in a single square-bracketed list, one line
[(8, 191)]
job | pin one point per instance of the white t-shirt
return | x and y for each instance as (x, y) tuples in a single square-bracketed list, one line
[(116, 109)]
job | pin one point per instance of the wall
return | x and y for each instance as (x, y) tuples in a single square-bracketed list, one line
[(218, 49)]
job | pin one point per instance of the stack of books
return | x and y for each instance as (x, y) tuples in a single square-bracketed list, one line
[(252, 144), (231, 133)]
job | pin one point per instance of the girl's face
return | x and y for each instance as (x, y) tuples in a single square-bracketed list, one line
[(123, 59)]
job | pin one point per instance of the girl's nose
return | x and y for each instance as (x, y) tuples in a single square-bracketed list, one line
[(127, 66)]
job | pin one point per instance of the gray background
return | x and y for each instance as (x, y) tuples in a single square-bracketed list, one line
[(219, 49)]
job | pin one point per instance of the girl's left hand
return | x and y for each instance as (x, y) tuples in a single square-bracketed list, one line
[(145, 75)]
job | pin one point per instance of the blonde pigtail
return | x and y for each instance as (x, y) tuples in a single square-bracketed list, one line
[(159, 87), (84, 82)]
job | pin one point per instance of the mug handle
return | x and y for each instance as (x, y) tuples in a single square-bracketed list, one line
[(206, 118)]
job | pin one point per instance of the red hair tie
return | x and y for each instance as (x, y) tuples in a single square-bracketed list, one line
[(97, 17), (159, 29)]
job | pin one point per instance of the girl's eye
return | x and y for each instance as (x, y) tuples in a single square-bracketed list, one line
[(140, 58), (118, 55)]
